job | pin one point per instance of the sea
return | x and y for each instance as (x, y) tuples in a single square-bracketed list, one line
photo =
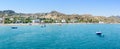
[(60, 36)]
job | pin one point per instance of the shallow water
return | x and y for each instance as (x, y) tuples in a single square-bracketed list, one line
[(66, 36)]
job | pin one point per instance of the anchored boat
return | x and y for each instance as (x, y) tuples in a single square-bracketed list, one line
[(14, 27), (98, 33)]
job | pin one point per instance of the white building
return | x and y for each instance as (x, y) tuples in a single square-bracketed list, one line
[(36, 21), (101, 22), (63, 20), (56, 21)]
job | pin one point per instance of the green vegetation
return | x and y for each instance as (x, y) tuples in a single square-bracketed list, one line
[(9, 16)]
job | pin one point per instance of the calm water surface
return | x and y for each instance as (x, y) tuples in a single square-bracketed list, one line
[(66, 36)]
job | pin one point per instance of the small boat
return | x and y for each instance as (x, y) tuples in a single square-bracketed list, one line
[(14, 27), (43, 26), (98, 33)]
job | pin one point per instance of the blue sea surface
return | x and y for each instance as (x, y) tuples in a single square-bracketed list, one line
[(65, 36)]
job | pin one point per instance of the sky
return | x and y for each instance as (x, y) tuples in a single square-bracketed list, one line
[(94, 7)]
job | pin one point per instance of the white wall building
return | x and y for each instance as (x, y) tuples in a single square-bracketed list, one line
[(36, 21), (63, 20)]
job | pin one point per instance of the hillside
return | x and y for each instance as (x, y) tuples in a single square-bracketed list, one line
[(11, 16)]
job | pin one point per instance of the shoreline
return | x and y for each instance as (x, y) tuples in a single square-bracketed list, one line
[(25, 24)]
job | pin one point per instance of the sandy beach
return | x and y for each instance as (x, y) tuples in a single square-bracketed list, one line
[(21, 24)]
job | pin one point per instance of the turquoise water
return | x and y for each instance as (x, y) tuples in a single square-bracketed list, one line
[(66, 36)]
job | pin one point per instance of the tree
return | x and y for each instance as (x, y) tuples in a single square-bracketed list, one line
[(8, 21)]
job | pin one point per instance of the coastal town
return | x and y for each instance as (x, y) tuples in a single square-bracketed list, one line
[(11, 17)]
